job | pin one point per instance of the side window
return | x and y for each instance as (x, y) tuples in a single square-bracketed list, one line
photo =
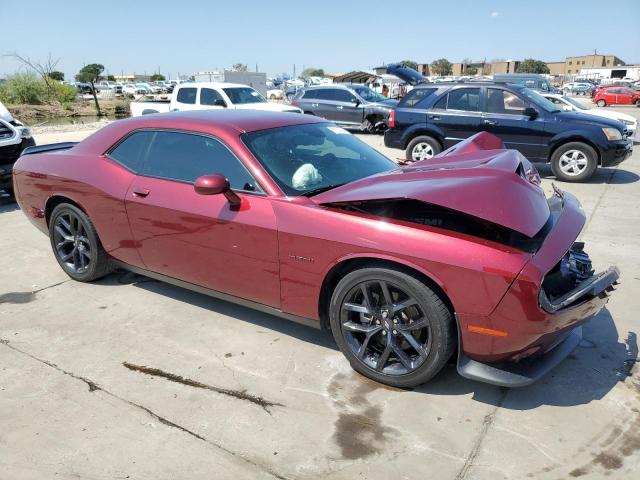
[(132, 150), (343, 96), (187, 95), (208, 96), (441, 104), (310, 94), (416, 97), (466, 99), (185, 157), (503, 101), (324, 94)]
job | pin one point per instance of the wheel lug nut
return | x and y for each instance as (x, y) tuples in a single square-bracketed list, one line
[(395, 320), (384, 332), (395, 332)]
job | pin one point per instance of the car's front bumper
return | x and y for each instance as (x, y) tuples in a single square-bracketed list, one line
[(529, 333), (8, 155), (616, 152)]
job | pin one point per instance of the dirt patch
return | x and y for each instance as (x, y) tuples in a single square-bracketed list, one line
[(33, 114), (239, 394)]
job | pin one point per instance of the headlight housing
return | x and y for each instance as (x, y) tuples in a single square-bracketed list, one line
[(626, 122), (26, 133), (612, 134)]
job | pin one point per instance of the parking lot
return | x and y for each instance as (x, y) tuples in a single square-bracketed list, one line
[(132, 378)]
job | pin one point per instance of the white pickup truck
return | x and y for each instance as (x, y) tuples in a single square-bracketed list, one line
[(210, 95), (14, 137)]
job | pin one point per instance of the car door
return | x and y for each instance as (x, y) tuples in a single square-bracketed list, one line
[(349, 108), (624, 96), (503, 115), (457, 114), (202, 239)]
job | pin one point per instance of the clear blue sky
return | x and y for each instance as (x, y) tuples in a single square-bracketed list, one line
[(339, 36)]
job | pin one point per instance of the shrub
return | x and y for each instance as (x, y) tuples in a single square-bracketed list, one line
[(23, 88), (63, 93)]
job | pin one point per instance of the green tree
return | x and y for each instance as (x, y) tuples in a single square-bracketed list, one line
[(157, 77), (111, 78), (531, 65), (56, 75), (240, 67), (410, 64), (313, 72), (23, 88), (442, 66), (470, 70), (91, 74)]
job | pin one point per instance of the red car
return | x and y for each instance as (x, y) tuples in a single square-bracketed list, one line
[(616, 96), (296, 217)]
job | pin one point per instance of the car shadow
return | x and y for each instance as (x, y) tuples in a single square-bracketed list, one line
[(587, 374), (238, 312), (612, 176)]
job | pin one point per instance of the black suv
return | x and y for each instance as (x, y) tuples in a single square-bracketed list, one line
[(352, 106), (433, 117)]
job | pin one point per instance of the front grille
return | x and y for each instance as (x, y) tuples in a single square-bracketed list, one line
[(5, 131)]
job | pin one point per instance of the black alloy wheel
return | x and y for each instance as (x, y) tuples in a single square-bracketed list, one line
[(391, 326)]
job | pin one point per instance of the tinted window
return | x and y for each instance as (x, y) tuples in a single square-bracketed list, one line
[(208, 96), (343, 96), (187, 95), (185, 157), (503, 101), (325, 94), (416, 97), (240, 95), (310, 94), (441, 104), (132, 150), (467, 99)]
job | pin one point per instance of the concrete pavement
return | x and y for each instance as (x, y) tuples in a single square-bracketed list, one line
[(132, 378)]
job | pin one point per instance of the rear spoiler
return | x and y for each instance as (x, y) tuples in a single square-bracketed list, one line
[(51, 147)]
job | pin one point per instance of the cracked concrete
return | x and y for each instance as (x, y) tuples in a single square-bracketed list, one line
[(69, 409)]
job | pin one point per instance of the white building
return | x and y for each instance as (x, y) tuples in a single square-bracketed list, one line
[(624, 71)]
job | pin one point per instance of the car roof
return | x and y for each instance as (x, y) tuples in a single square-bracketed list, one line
[(214, 84), (220, 123)]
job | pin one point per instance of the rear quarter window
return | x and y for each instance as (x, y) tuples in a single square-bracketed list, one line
[(417, 97), (131, 151)]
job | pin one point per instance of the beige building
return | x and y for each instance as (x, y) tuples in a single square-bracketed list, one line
[(574, 64), (509, 66), (556, 68)]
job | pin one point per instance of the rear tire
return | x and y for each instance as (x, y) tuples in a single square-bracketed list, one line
[(574, 162), (76, 245), (401, 346), (423, 147), (601, 103)]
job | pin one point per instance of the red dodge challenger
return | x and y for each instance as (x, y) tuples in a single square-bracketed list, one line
[(296, 217)]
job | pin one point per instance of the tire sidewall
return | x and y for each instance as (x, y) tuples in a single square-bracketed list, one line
[(435, 145), (439, 328), (601, 103), (94, 242), (587, 150)]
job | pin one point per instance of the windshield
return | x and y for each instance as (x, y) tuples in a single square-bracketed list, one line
[(575, 103), (308, 159), (243, 95), (369, 95), (539, 100)]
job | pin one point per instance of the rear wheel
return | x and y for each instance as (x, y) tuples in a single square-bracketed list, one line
[(422, 148), (391, 326), (601, 103), (76, 245), (574, 162)]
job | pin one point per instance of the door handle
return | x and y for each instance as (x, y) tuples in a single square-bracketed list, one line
[(434, 117), (339, 107), (314, 104), (141, 192), (489, 122)]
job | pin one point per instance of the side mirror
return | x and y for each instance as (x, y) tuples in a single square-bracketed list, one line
[(530, 112), (567, 108), (215, 184)]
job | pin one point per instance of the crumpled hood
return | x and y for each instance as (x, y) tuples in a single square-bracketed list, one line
[(486, 184), (5, 114)]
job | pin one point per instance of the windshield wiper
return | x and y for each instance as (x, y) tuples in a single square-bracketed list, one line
[(318, 190)]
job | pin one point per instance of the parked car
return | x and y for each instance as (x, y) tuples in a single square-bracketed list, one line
[(577, 88), (131, 89), (275, 94), (617, 96), (571, 105), (352, 106), (431, 118), (109, 85), (534, 81), (296, 217), (14, 138), (210, 96)]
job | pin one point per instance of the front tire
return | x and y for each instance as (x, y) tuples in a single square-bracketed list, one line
[(422, 148), (391, 326), (574, 162), (601, 103), (76, 245)]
